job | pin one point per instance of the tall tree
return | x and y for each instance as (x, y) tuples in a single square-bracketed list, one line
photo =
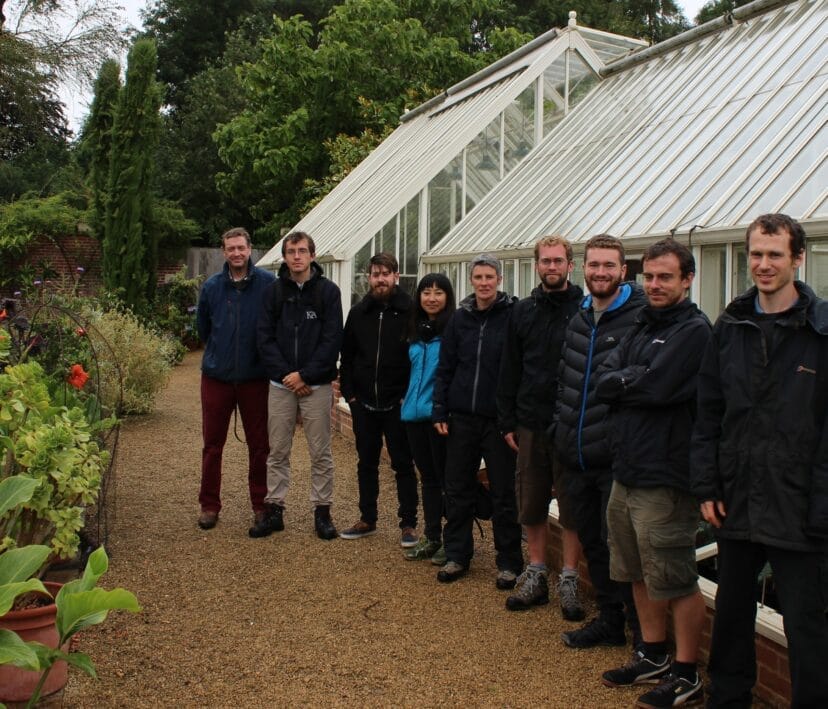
[(96, 141), (130, 244)]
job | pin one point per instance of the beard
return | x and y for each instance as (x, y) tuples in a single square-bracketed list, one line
[(552, 282), (381, 293), (603, 289)]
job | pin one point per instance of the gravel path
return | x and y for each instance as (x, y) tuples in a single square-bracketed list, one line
[(292, 620)]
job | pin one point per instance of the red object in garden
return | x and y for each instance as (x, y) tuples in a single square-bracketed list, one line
[(80, 332), (17, 685), (77, 376), (3, 315)]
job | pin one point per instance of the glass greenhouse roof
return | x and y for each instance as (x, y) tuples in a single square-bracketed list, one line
[(709, 134)]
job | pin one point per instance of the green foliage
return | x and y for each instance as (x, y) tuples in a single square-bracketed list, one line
[(716, 8), (131, 355), (172, 228), (175, 308), (130, 246)]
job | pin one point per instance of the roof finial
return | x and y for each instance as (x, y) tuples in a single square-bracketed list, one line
[(572, 21)]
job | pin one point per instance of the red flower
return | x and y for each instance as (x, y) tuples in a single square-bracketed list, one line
[(77, 377), (3, 315), (80, 332)]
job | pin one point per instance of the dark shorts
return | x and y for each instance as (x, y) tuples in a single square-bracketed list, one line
[(652, 537), (539, 479)]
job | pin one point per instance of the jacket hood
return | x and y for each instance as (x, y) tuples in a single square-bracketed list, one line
[(628, 292), (502, 300), (674, 313), (809, 308)]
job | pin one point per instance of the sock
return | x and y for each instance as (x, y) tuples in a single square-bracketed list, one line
[(566, 571), (654, 651), (685, 670), (541, 568)]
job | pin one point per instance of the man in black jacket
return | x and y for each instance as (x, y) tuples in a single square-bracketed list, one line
[(374, 370), (526, 393), (299, 335), (465, 410), (760, 466), (650, 383), (581, 433)]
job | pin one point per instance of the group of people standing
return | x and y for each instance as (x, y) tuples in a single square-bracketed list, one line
[(621, 403)]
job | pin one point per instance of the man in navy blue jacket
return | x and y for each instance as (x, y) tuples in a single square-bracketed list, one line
[(299, 335), (231, 372)]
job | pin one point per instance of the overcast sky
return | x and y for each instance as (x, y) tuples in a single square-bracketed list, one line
[(77, 102)]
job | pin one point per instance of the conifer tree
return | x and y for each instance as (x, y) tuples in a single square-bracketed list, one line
[(130, 244)]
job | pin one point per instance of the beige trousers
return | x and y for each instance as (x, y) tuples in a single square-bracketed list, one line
[(282, 408)]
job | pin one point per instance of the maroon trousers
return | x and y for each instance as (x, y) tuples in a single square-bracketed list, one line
[(218, 400)]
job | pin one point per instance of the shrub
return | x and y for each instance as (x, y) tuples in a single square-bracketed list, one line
[(145, 358), (174, 310)]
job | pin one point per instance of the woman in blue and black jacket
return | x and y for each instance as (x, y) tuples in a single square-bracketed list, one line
[(434, 305)]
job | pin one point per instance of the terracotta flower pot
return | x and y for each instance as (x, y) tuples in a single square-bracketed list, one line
[(16, 684)]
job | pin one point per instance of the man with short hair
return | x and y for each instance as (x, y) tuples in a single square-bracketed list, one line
[(650, 381), (299, 335), (232, 374), (760, 466), (580, 430), (465, 410), (526, 393), (374, 370)]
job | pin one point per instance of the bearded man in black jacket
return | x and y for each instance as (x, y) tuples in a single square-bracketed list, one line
[(650, 383), (373, 371), (760, 466)]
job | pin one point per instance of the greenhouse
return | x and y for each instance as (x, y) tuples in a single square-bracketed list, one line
[(583, 132)]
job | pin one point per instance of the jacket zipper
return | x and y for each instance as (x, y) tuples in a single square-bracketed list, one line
[(477, 365), (587, 374), (376, 363), (422, 376)]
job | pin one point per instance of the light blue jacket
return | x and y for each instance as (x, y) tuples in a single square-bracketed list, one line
[(424, 357)]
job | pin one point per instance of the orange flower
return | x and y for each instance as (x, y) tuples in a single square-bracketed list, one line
[(77, 377)]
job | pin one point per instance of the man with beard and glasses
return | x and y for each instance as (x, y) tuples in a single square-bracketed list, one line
[(580, 431), (650, 383), (374, 369), (526, 393)]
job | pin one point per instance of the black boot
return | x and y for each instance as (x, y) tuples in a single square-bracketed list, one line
[(324, 524), (267, 521)]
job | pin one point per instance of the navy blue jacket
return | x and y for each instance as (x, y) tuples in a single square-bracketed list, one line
[(470, 359), (226, 321), (650, 381), (293, 336), (760, 443)]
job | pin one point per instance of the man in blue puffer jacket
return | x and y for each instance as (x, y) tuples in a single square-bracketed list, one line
[(231, 372)]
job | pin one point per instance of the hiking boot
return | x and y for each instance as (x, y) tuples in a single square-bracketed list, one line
[(451, 571), (598, 631), (267, 521), (359, 530), (639, 670), (439, 558), (532, 590), (424, 549), (208, 519), (408, 538), (323, 523), (506, 579), (673, 691), (571, 608)]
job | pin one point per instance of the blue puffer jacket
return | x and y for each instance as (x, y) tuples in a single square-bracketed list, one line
[(418, 403), (227, 317)]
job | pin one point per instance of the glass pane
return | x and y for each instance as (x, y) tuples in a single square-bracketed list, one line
[(408, 284), (519, 134), (508, 284), (581, 78), (389, 237), (554, 79), (741, 277), (817, 267), (359, 280), (411, 226), (527, 277), (482, 164), (712, 285), (445, 200)]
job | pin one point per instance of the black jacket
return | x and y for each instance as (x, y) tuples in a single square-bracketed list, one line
[(528, 383), (580, 431), (760, 444), (470, 359), (650, 382), (301, 330), (374, 366)]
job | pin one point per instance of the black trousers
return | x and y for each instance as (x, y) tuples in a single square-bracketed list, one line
[(801, 580), (470, 439), (429, 450), (369, 429), (588, 495)]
